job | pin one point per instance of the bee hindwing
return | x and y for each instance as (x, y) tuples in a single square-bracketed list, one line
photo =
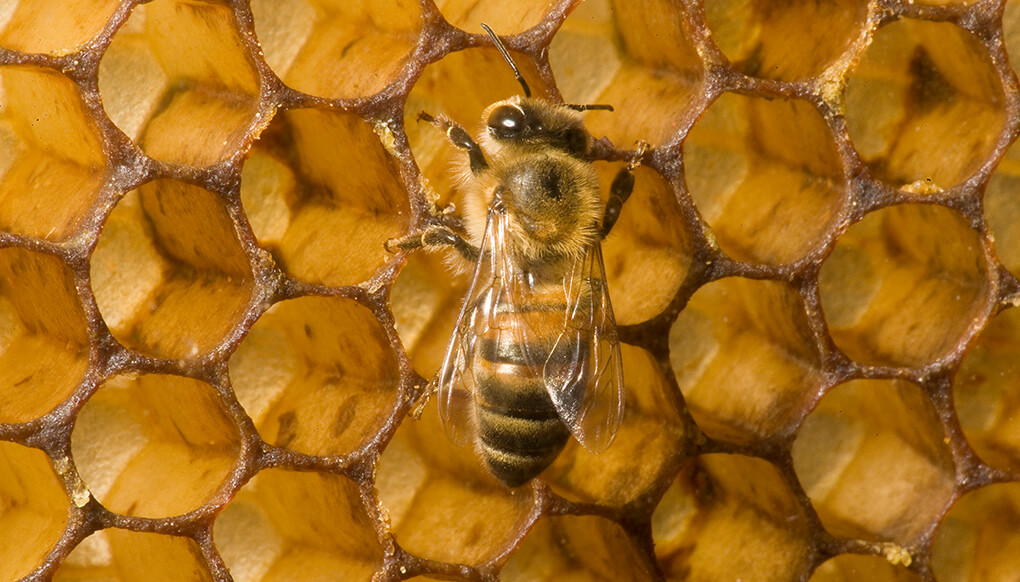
[(584, 372)]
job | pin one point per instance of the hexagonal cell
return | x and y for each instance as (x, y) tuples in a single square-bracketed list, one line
[(323, 196), (128, 556), (925, 107), (575, 549), (978, 539), (44, 340), (505, 18), (442, 502), (1002, 205), (1011, 31), (766, 175), (289, 525), (948, 2), (40, 26), (799, 40), (744, 359), (460, 86), (316, 375), (154, 445), (178, 80), (903, 285), (33, 509), (635, 56), (986, 392), (647, 255), (169, 273), (52, 165), (646, 259), (730, 517), (873, 460), (645, 449), (648, 252), (852, 568), (425, 299), (337, 48)]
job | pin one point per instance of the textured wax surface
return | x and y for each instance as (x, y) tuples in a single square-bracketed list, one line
[(207, 357)]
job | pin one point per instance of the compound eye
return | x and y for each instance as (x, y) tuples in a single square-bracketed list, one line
[(506, 121)]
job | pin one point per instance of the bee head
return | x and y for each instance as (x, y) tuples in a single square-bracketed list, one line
[(530, 122)]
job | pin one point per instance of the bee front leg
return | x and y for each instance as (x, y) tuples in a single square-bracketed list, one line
[(460, 138), (434, 237), (619, 192)]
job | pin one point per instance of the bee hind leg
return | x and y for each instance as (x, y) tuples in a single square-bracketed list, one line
[(460, 138), (619, 192), (433, 237)]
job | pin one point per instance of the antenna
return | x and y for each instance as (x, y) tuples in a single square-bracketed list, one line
[(509, 60)]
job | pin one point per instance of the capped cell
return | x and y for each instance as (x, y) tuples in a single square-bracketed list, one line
[(925, 106), (169, 273), (154, 445), (635, 56), (731, 517), (52, 164), (290, 525), (873, 459), (323, 195), (180, 82), (766, 175), (789, 41), (316, 375), (337, 48), (44, 339), (744, 358), (903, 285), (33, 509)]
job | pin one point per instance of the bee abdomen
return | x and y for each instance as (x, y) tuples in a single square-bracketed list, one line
[(516, 449), (519, 431)]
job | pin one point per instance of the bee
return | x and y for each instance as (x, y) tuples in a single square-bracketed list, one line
[(535, 355)]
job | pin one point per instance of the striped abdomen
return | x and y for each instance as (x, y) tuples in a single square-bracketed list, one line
[(519, 430)]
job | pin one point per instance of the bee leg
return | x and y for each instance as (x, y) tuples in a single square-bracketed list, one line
[(433, 237), (619, 192), (418, 406), (459, 138)]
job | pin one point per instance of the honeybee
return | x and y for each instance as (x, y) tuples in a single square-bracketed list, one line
[(535, 356)]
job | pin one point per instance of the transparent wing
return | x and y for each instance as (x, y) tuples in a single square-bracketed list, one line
[(584, 371), (484, 314)]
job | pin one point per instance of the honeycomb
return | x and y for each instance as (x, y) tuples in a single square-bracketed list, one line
[(207, 357)]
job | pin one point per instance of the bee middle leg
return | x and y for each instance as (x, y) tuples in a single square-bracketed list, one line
[(619, 192), (434, 236), (460, 138)]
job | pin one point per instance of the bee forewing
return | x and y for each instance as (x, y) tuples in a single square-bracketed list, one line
[(584, 372), (454, 387), (454, 383)]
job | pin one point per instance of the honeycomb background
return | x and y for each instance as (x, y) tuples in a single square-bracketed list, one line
[(207, 358)]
